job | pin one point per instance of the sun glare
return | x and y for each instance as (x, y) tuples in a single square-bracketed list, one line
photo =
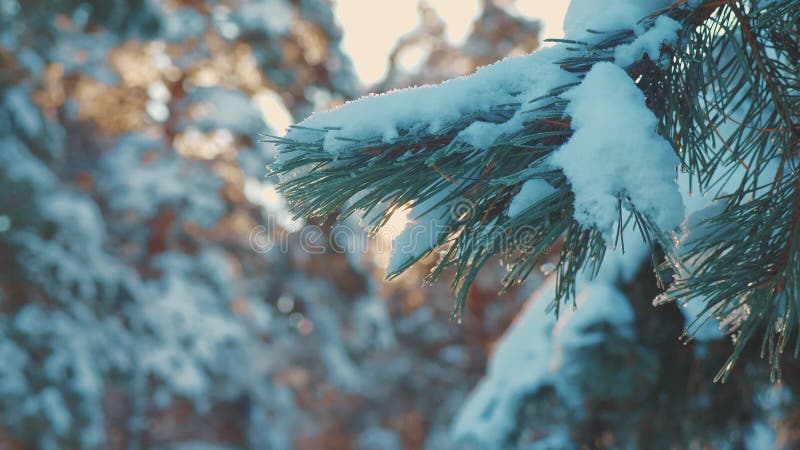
[(371, 28)]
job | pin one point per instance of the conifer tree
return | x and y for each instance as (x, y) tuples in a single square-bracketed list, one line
[(130, 295), (679, 120)]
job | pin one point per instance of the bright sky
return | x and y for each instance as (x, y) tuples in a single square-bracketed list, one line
[(371, 27)]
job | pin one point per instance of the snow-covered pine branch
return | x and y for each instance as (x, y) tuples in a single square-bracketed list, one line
[(579, 141), (492, 140)]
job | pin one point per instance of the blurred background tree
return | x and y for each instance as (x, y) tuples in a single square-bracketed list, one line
[(144, 308), (140, 309)]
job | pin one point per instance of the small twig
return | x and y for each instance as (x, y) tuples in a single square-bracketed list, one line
[(445, 176), (485, 174), (491, 205)]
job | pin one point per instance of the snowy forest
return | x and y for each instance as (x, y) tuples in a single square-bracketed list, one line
[(217, 234)]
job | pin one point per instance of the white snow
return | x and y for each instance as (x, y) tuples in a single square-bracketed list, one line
[(615, 152), (71, 262), (695, 227), (340, 367), (761, 435), (381, 117), (378, 438), (480, 134), (227, 109), (27, 168), (532, 192), (54, 407), (664, 30), (181, 24), (532, 352), (130, 183), (197, 334), (25, 113), (518, 366), (273, 206), (607, 15), (12, 373), (374, 322)]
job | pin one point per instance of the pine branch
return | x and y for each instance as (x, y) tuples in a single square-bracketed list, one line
[(733, 127), (746, 267), (419, 163)]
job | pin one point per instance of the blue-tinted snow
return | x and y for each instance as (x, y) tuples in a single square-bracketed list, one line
[(616, 153)]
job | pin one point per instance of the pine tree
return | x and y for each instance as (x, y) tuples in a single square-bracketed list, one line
[(575, 144), (129, 293)]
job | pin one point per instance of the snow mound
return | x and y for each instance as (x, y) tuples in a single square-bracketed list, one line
[(616, 153)]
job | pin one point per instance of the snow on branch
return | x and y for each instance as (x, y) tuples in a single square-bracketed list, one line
[(583, 137)]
